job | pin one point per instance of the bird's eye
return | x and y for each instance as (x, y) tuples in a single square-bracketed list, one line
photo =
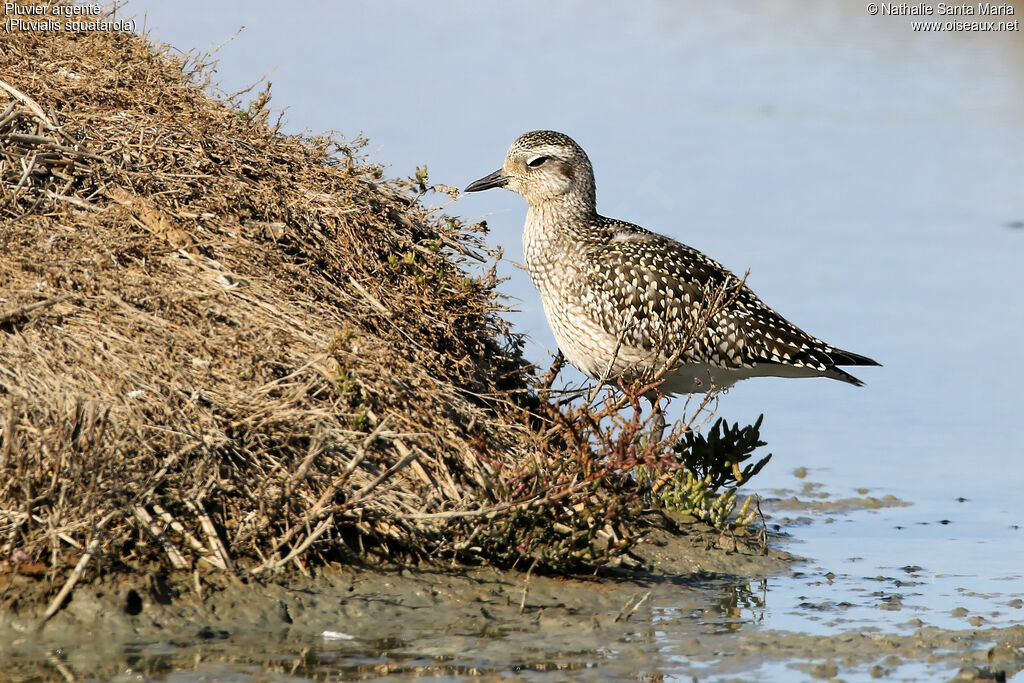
[(536, 161)]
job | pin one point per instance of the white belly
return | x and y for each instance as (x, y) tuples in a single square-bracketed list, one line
[(597, 354)]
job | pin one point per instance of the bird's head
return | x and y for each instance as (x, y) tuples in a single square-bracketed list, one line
[(542, 166)]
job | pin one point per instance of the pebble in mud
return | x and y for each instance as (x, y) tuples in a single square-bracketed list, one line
[(824, 670), (1006, 653), (893, 603), (976, 674)]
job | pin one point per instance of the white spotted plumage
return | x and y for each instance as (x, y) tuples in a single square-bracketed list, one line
[(622, 300)]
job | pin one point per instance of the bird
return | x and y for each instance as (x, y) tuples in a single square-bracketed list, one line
[(626, 302)]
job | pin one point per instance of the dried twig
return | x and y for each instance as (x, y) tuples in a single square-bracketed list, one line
[(66, 673), (219, 551), (74, 201), (526, 586), (297, 551), (193, 542), (28, 308), (762, 534), (173, 554), (623, 615), (28, 102), (76, 573)]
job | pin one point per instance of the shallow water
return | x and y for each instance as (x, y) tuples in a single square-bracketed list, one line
[(715, 628), (941, 566), (869, 176)]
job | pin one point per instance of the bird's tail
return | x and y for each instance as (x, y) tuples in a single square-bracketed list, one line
[(840, 357)]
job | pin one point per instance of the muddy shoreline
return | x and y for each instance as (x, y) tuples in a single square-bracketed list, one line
[(696, 592)]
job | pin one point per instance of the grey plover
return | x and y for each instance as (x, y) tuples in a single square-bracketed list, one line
[(625, 301)]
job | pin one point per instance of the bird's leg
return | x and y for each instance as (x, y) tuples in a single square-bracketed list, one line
[(556, 366), (658, 423), (654, 436)]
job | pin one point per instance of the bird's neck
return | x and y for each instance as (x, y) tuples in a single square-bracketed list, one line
[(556, 231), (561, 215)]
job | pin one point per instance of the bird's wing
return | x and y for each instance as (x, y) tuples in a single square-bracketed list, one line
[(655, 293)]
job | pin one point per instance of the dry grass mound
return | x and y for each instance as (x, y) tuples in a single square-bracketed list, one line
[(214, 331), (225, 348)]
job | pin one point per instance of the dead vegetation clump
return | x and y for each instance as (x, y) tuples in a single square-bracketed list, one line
[(225, 347), (218, 341)]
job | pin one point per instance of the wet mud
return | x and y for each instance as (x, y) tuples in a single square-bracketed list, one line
[(690, 606)]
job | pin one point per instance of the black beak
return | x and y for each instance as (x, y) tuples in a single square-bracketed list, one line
[(496, 179)]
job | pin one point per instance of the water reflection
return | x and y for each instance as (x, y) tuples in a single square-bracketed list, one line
[(724, 635), (295, 660), (739, 605)]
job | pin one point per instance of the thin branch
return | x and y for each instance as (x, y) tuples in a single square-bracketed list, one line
[(28, 308), (28, 101), (76, 573), (149, 524), (74, 201), (623, 615), (526, 586), (216, 544)]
